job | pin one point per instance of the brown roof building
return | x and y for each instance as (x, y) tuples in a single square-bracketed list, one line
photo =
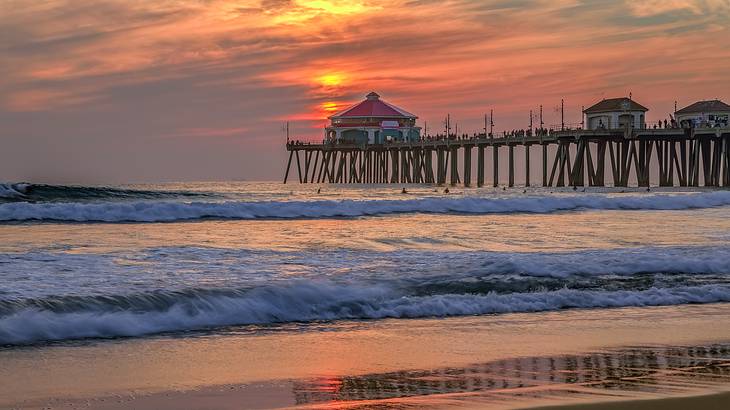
[(615, 113), (711, 113)]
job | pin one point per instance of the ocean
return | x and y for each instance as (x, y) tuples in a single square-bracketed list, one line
[(79, 263)]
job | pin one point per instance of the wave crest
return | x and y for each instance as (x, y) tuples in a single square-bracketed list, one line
[(25, 192), (29, 322), (161, 211)]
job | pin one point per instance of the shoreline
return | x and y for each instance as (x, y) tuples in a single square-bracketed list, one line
[(505, 361), (270, 395)]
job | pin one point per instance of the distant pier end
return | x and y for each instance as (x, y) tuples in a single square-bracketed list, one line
[(376, 142)]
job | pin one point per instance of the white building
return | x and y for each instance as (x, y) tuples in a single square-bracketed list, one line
[(614, 113), (713, 113)]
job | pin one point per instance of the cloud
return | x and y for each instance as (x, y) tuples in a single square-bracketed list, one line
[(124, 73), (644, 8)]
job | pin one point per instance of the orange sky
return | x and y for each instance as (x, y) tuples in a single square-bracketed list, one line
[(110, 91)]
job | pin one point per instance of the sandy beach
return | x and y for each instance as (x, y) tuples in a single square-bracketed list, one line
[(632, 355)]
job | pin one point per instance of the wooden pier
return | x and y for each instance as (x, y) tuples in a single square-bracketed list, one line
[(684, 157)]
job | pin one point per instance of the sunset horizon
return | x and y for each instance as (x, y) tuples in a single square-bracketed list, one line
[(165, 85)]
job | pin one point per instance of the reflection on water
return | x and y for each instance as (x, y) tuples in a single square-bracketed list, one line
[(625, 372)]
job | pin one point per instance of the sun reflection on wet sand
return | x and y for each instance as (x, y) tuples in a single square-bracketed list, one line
[(614, 374)]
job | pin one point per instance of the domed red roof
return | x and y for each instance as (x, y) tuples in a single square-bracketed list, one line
[(374, 107)]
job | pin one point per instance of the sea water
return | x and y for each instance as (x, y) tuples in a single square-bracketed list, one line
[(132, 261)]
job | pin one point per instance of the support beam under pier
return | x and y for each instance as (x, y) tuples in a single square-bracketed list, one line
[(495, 159), (480, 166)]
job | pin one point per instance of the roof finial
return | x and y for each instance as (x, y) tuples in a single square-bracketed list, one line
[(372, 96)]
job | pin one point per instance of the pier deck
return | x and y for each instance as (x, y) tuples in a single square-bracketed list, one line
[(577, 158)]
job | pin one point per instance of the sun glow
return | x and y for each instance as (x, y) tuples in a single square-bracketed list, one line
[(334, 6), (330, 107), (331, 80), (303, 10)]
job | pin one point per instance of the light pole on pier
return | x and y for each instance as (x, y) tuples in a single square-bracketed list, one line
[(530, 121)]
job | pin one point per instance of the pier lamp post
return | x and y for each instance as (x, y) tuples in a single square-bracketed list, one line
[(485, 126), (530, 122)]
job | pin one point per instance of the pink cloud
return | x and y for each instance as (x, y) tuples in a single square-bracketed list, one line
[(187, 69)]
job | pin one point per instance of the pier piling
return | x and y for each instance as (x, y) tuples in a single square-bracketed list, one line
[(511, 181), (696, 156), (495, 160)]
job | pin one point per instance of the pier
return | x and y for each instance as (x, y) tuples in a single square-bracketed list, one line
[(575, 157)]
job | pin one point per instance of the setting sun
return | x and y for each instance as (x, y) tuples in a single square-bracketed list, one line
[(334, 6), (331, 80), (303, 10)]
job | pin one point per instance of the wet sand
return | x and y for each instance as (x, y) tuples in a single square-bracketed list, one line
[(274, 396), (632, 355), (719, 401)]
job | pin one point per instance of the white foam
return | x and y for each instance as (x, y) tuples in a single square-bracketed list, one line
[(307, 301), (621, 262), (177, 267), (175, 211)]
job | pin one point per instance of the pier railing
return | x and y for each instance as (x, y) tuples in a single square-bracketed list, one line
[(575, 157)]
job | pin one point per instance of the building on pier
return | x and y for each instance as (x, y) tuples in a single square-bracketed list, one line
[(372, 121), (712, 113), (615, 113)]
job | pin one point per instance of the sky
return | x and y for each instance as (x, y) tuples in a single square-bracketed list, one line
[(122, 91)]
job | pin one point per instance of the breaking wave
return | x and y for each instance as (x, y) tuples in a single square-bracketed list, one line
[(166, 211), (61, 318), (25, 192), (10, 192)]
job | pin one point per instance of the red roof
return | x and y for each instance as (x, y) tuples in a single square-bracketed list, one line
[(373, 106)]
